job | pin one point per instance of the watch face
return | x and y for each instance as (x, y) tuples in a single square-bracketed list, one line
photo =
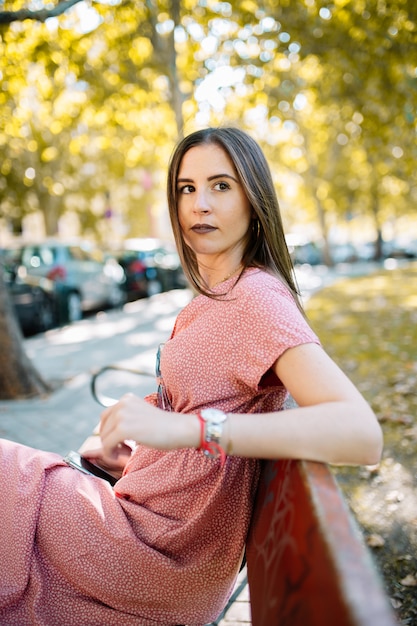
[(213, 415)]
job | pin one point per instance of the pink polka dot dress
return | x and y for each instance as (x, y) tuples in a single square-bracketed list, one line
[(164, 545)]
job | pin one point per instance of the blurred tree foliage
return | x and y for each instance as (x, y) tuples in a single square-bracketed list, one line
[(94, 96)]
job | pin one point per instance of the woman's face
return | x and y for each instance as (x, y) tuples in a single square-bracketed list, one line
[(213, 210)]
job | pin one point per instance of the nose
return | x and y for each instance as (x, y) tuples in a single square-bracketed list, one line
[(201, 203)]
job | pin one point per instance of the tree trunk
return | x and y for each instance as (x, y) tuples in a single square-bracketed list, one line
[(165, 52), (177, 97), (374, 196), (327, 256), (50, 210), (18, 377), (312, 176)]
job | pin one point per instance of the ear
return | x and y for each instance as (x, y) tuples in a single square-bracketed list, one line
[(256, 226)]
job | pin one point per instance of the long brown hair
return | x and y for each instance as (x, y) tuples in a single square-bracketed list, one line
[(266, 247)]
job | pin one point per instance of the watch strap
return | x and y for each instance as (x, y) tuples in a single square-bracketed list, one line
[(210, 434)]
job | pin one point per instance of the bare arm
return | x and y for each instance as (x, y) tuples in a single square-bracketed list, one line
[(333, 423)]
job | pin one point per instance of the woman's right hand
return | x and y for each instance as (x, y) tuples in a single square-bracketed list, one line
[(92, 450), (133, 418)]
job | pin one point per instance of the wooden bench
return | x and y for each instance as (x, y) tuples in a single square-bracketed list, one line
[(307, 563), (306, 560)]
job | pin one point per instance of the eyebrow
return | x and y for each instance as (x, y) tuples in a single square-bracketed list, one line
[(210, 178)]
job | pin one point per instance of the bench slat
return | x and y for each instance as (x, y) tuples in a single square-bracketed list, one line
[(307, 562)]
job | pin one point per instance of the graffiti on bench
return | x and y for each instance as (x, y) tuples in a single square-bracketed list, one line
[(307, 563)]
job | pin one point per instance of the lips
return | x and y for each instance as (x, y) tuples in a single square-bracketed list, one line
[(202, 229)]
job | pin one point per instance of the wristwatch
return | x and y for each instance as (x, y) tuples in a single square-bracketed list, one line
[(212, 421)]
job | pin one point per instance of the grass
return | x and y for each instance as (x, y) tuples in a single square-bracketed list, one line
[(368, 325)]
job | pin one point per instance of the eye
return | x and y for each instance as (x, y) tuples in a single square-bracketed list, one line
[(221, 186), (186, 189)]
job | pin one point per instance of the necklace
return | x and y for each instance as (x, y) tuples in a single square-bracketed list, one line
[(235, 271)]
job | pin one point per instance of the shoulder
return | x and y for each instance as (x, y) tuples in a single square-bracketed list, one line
[(263, 285), (260, 294), (265, 307)]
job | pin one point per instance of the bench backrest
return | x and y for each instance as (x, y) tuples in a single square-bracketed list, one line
[(307, 562)]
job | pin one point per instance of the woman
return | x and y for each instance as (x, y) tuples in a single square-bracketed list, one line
[(165, 544)]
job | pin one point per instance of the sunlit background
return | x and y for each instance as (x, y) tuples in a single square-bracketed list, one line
[(94, 99)]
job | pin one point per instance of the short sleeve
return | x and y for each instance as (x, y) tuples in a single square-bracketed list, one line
[(268, 322)]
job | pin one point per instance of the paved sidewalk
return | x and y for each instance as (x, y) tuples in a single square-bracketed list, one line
[(67, 358)]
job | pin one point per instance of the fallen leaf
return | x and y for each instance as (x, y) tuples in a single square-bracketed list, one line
[(394, 496), (409, 581), (411, 432), (404, 557), (395, 603), (375, 541)]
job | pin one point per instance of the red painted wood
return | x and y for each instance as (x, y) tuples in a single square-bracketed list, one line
[(307, 563)]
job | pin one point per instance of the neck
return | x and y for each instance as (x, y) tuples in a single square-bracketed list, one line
[(236, 270)]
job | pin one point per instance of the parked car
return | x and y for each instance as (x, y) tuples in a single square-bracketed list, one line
[(151, 266), (83, 279), (302, 250), (400, 248), (33, 299), (343, 253), (366, 250)]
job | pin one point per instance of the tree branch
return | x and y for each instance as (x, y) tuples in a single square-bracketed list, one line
[(7, 17)]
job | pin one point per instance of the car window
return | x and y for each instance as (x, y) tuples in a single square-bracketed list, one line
[(12, 256), (127, 255), (38, 256), (96, 255), (78, 253)]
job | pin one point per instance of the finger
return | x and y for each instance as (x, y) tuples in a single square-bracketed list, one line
[(105, 415), (112, 411), (92, 443), (108, 464), (92, 453), (112, 439)]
